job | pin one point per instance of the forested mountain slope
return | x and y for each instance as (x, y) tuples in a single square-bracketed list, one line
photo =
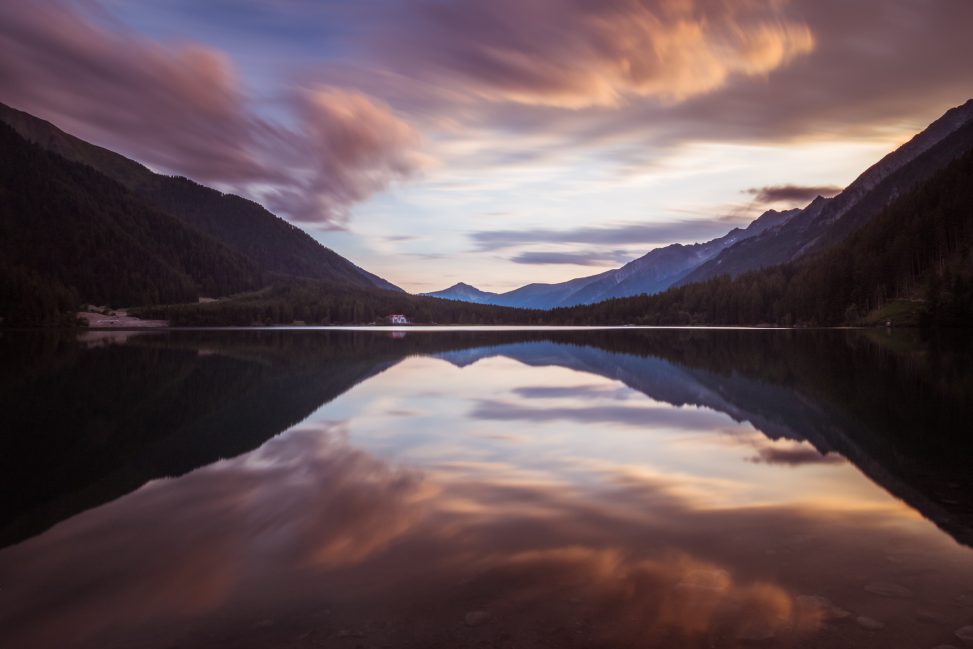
[(69, 233), (918, 249), (828, 221), (270, 242)]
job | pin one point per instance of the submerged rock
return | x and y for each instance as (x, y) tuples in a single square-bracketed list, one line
[(965, 633), (929, 617), (715, 580), (756, 632), (476, 618), (826, 610), (888, 589), (870, 623)]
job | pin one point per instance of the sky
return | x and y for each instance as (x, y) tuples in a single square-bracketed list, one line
[(497, 143)]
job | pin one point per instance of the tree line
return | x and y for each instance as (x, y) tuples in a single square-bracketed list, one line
[(69, 234)]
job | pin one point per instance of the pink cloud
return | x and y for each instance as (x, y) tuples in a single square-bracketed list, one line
[(578, 54), (353, 146), (182, 109)]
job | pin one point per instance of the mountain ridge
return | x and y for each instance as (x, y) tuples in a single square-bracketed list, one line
[(827, 221), (774, 238), (272, 243), (463, 292), (653, 272)]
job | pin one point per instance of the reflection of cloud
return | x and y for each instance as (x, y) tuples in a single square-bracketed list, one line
[(681, 418), (675, 592), (767, 450), (795, 455), (591, 391), (308, 523), (305, 500)]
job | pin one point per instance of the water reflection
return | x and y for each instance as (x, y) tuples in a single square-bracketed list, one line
[(517, 489)]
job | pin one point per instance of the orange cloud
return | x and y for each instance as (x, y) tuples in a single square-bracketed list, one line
[(574, 54)]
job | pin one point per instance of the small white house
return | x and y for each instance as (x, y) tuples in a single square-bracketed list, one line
[(398, 319)]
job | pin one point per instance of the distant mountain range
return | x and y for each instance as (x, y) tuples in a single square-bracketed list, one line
[(465, 293), (94, 222), (772, 239), (80, 224)]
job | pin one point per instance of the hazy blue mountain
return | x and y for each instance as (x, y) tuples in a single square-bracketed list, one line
[(464, 293), (270, 242), (662, 267), (827, 221), (652, 273), (773, 238)]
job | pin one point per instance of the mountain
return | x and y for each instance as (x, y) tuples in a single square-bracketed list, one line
[(911, 263), (653, 272), (69, 234), (827, 221), (464, 293), (272, 244), (772, 239), (662, 267)]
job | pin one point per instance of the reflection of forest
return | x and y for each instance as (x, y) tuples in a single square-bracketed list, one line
[(84, 425)]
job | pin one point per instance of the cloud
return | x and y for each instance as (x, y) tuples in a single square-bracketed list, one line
[(176, 107), (182, 109), (581, 258), (483, 73), (578, 54), (791, 193), (680, 231), (617, 82), (880, 70), (356, 146)]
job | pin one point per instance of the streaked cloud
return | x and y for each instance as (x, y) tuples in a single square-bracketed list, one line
[(578, 258), (578, 54), (558, 118), (353, 147), (182, 109), (791, 193), (623, 233)]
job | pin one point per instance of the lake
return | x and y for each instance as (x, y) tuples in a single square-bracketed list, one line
[(515, 488)]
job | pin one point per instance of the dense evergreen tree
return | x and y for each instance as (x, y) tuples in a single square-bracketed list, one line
[(268, 241), (65, 228), (920, 245)]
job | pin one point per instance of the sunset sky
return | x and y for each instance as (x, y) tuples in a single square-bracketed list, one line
[(497, 142)]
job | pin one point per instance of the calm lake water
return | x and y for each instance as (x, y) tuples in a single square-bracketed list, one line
[(625, 488)]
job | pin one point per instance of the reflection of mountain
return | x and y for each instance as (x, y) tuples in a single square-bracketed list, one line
[(741, 398), (84, 426), (897, 415)]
